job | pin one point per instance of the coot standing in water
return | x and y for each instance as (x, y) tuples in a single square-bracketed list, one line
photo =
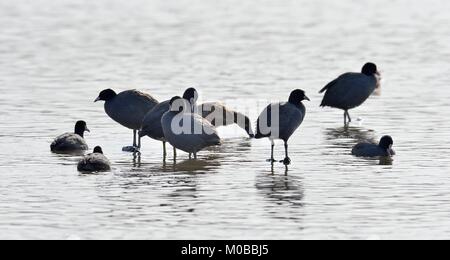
[(290, 117), (351, 90), (187, 131), (128, 108)]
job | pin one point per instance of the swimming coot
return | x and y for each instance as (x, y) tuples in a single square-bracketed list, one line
[(71, 142), (94, 162), (383, 149)]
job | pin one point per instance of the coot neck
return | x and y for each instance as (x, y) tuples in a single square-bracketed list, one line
[(79, 132)]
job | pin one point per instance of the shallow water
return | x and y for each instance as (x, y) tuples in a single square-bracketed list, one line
[(55, 56)]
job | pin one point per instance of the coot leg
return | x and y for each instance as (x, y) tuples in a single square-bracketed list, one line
[(347, 115), (287, 160), (272, 160), (164, 151), (135, 147)]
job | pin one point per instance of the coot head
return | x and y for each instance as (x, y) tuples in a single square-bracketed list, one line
[(106, 95), (386, 142), (191, 95), (80, 128), (370, 69), (98, 149), (298, 96)]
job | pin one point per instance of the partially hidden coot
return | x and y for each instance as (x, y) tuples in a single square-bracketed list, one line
[(217, 113), (94, 162), (187, 131), (152, 127)]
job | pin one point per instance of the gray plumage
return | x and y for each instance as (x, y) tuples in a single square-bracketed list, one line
[(219, 115), (129, 108), (351, 90), (151, 125), (290, 116), (94, 162), (68, 143), (383, 149), (369, 150), (71, 142), (190, 141)]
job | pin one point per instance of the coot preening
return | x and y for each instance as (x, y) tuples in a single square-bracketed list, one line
[(187, 131), (217, 113)]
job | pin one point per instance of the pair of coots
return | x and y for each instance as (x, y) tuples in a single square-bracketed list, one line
[(351, 90), (348, 91), (74, 143)]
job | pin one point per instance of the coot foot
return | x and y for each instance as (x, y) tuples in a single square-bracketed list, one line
[(286, 161)]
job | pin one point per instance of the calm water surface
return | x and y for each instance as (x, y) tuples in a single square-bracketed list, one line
[(55, 56)]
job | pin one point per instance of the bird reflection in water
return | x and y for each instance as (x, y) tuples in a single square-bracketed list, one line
[(348, 132), (192, 166), (347, 137), (281, 188), (137, 160), (272, 169), (386, 161)]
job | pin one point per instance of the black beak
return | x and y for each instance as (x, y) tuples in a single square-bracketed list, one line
[(97, 99), (307, 98)]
